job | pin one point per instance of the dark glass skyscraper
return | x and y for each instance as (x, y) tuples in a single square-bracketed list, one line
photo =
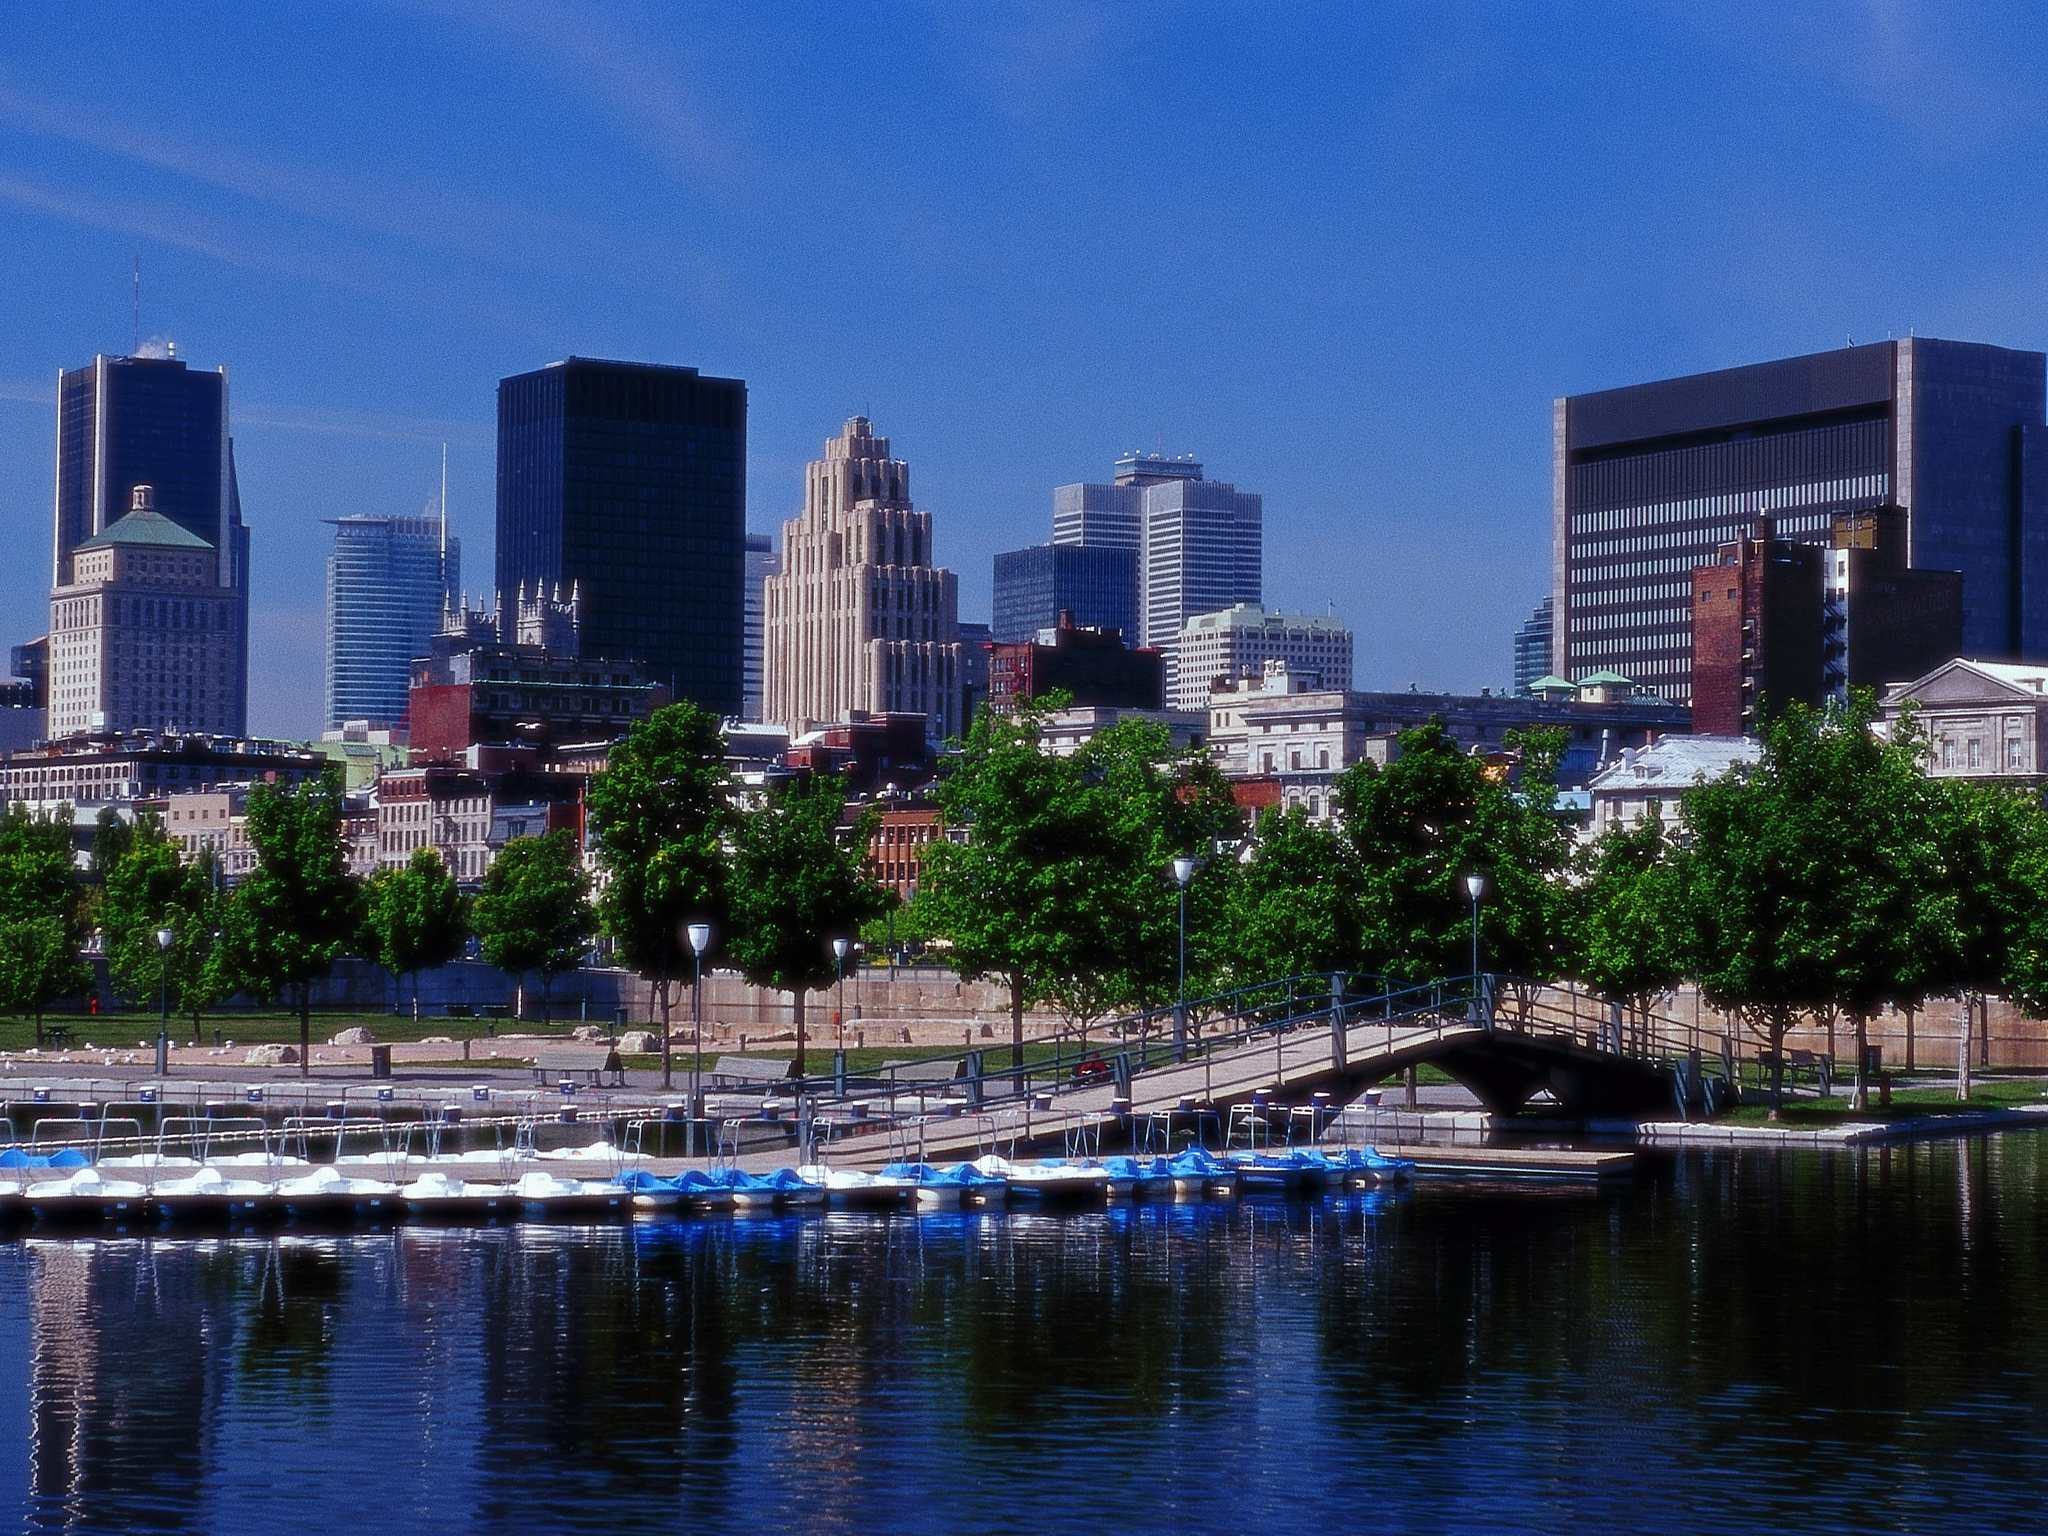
[(629, 480), (129, 421), (1532, 648), (1649, 481), (1097, 584)]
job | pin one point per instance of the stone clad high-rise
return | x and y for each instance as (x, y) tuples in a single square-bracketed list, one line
[(859, 619)]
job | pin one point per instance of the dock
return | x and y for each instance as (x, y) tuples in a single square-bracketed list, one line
[(1437, 1158)]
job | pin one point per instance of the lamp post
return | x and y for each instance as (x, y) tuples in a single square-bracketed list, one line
[(165, 938), (1184, 869), (839, 949), (700, 940), (1475, 887)]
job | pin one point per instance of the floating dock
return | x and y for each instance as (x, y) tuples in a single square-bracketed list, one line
[(1495, 1162)]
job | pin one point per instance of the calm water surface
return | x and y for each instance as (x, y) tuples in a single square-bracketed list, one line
[(1840, 1342)]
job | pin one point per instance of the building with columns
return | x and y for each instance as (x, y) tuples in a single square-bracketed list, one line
[(859, 620)]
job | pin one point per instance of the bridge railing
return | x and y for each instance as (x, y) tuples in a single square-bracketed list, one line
[(1562, 1010), (1121, 1049)]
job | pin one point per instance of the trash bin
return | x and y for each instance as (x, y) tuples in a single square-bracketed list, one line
[(380, 1061), (618, 1022)]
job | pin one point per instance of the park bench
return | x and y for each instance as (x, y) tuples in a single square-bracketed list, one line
[(566, 1063), (1817, 1065), (745, 1072), (57, 1035), (942, 1074), (494, 1011), (461, 1011)]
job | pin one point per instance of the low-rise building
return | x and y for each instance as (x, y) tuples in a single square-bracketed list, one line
[(895, 853), (1091, 666), (1663, 772), (89, 773), (1066, 731), (871, 753), (1981, 719)]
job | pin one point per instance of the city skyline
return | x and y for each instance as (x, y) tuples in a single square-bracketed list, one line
[(1421, 233)]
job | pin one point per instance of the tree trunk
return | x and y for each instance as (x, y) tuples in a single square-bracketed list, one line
[(547, 998), (668, 1060), (519, 997), (39, 1029), (305, 1029), (1963, 1049), (1910, 1012), (1017, 1029), (798, 1009), (1862, 1061)]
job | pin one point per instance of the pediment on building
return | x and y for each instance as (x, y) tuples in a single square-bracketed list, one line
[(1963, 681)]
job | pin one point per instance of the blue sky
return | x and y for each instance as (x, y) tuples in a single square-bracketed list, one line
[(1345, 255)]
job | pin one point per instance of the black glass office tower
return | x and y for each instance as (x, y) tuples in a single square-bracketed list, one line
[(1097, 584), (1648, 481), (129, 421), (630, 481)]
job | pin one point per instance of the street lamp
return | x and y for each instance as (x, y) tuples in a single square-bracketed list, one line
[(1475, 887), (699, 935), (839, 949), (1184, 869), (165, 938)]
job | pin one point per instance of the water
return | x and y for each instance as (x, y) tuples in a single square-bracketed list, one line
[(1839, 1342)]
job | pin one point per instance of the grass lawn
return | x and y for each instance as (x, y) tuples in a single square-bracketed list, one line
[(120, 1031), (1811, 1113)]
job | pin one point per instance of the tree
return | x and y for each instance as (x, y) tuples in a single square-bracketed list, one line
[(533, 913), (39, 885), (414, 918), (799, 880), (39, 963), (1289, 911), (148, 887), (1417, 827), (1984, 917), (287, 923), (1629, 926), (660, 822), (1005, 901)]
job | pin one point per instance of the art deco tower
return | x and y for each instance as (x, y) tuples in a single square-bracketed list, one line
[(858, 618)]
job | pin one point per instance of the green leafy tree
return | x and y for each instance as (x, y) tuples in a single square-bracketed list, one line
[(288, 922), (147, 888), (533, 914), (414, 918), (799, 880), (1289, 911), (39, 886), (1983, 921), (1630, 930), (1007, 901), (1417, 827), (660, 823)]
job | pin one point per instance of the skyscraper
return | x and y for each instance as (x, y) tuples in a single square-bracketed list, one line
[(761, 564), (629, 481), (1200, 543), (389, 580), (1649, 481), (1532, 648), (143, 636), (1240, 641), (1096, 583), (859, 618), (124, 422)]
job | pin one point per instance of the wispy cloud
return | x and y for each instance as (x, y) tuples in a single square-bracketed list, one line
[(369, 426), (413, 209), (636, 80), (180, 227)]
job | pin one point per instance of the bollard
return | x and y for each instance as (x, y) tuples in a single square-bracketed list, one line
[(567, 1116), (337, 1109), (451, 1114), (215, 1110)]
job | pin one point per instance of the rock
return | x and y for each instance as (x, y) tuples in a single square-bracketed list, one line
[(639, 1042), (903, 1037), (438, 1040), (988, 1032), (589, 1034), (271, 1056), (356, 1036)]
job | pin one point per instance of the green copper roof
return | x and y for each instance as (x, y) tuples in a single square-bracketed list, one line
[(147, 528), (1549, 681), (1606, 680)]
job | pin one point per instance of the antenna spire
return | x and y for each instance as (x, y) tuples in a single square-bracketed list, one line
[(444, 514)]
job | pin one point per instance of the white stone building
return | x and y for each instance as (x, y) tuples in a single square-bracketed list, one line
[(1241, 640), (1982, 719), (1664, 772), (143, 635), (859, 618)]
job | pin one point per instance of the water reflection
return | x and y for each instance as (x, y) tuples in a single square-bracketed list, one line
[(1727, 1343)]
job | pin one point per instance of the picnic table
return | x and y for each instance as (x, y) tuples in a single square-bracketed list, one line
[(566, 1063)]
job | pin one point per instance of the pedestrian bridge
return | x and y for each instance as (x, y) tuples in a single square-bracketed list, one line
[(1301, 1040)]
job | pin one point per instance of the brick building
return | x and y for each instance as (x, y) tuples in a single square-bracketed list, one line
[(1094, 666)]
